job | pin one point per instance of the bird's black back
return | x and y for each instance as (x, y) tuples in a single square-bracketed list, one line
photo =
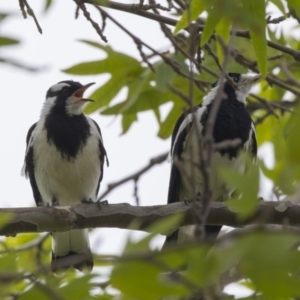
[(232, 122)]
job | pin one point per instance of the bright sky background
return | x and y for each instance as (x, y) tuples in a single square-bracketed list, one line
[(23, 94)]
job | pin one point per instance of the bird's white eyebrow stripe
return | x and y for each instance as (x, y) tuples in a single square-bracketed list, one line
[(57, 87)]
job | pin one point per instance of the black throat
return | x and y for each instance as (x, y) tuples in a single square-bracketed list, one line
[(68, 133), (232, 122)]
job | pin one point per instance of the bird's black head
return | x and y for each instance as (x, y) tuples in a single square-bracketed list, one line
[(67, 95), (243, 83), (234, 76)]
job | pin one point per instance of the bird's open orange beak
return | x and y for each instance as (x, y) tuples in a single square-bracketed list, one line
[(79, 93)]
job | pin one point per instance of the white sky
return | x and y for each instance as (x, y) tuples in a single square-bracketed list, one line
[(23, 93)]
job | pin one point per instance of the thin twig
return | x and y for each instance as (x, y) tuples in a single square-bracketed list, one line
[(31, 13), (135, 176), (88, 17), (275, 20), (22, 8)]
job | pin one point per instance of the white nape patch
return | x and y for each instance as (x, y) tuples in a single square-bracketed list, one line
[(48, 104), (210, 96), (74, 106), (244, 86), (57, 87)]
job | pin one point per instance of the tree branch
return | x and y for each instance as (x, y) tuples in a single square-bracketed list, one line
[(58, 219), (135, 176)]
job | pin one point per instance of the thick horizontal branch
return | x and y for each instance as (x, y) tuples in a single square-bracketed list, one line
[(57, 219)]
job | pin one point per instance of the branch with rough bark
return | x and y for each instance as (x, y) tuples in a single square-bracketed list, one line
[(57, 219)]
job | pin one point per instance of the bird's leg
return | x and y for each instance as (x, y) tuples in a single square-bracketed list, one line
[(39, 204), (54, 202), (187, 201), (100, 203), (87, 201)]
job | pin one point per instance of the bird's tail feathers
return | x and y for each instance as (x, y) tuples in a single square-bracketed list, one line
[(71, 249)]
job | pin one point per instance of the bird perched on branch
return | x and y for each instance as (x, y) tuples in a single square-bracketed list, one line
[(64, 161), (232, 122)]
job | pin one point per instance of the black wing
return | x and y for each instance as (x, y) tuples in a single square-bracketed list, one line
[(177, 145), (29, 167), (253, 149), (103, 155)]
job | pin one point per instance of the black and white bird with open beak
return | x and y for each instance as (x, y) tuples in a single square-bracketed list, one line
[(64, 162), (232, 122)]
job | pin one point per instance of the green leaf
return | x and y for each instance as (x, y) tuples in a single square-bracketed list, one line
[(256, 10), (78, 288), (135, 275), (168, 124), (244, 199), (223, 30), (5, 218), (164, 74), (3, 16), (115, 62), (196, 8), (142, 280), (7, 41), (35, 292), (48, 3), (8, 263), (105, 93), (291, 131), (148, 99), (166, 225), (206, 265), (135, 88), (270, 262), (127, 121), (294, 6), (214, 17)]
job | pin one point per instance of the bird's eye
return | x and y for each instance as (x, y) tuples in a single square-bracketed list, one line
[(65, 91), (235, 79)]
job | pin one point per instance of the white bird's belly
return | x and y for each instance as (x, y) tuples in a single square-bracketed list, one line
[(192, 181), (68, 181)]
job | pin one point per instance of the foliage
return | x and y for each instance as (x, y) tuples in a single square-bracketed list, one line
[(267, 262)]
